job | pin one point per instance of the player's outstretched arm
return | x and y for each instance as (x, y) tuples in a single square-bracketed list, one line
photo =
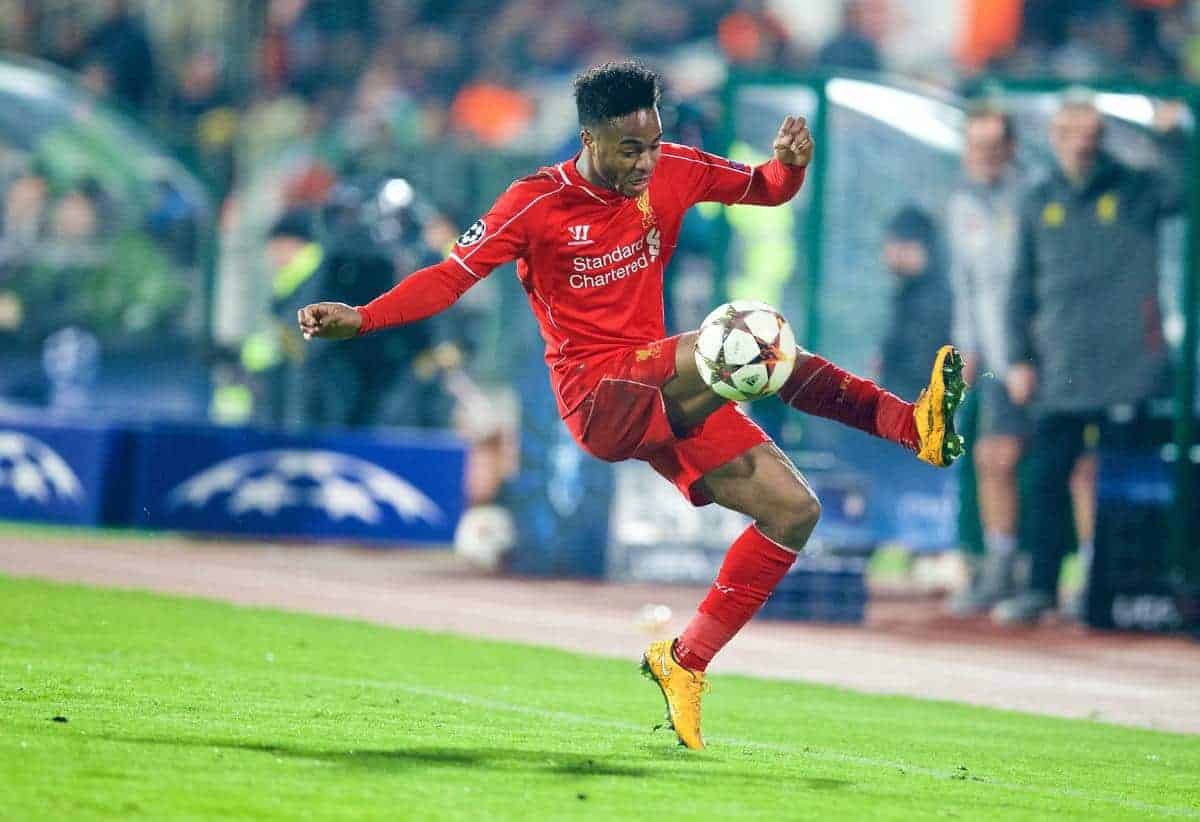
[(418, 296), (329, 321), (772, 183)]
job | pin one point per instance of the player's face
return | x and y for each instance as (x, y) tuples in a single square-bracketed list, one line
[(988, 150), (624, 151)]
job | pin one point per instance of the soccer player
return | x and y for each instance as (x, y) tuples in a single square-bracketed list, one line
[(592, 237)]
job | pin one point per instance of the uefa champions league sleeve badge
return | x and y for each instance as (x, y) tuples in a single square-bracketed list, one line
[(473, 234)]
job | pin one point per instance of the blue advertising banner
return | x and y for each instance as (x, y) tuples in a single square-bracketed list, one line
[(59, 472), (380, 487), (887, 492)]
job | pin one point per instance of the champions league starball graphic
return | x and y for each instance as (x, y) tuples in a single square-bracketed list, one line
[(34, 472), (340, 486)]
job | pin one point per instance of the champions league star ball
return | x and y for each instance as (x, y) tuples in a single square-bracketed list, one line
[(745, 350)]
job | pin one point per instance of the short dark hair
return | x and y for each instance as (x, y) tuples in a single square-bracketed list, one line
[(986, 110), (612, 90)]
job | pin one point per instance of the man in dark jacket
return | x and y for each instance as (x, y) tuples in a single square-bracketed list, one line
[(1084, 324), (921, 303), (301, 387)]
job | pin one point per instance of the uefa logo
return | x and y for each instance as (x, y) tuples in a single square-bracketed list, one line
[(35, 473), (340, 486)]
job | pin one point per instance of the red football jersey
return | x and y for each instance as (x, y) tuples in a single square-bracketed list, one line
[(592, 260)]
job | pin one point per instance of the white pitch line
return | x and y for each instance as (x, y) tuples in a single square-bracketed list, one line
[(834, 756)]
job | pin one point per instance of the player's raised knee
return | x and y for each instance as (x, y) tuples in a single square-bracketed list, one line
[(796, 517)]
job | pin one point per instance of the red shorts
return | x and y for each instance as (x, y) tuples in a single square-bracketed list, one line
[(625, 417)]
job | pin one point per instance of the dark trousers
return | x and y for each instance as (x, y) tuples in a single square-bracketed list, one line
[(1055, 445)]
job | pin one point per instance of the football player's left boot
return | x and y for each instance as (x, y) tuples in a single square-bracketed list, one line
[(682, 689), (934, 410)]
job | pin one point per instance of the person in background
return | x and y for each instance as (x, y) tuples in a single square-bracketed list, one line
[(982, 217), (304, 260), (1084, 324), (920, 317), (856, 45), (119, 58)]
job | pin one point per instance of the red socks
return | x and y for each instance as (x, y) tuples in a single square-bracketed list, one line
[(756, 564), (819, 387), (751, 570)]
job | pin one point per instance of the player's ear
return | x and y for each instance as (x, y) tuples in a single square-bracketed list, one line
[(585, 135)]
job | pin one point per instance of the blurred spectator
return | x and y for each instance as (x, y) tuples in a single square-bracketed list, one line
[(920, 310), (290, 49), (990, 31), (751, 35), (1096, 41), (491, 110), (1084, 325), (1086, 39), (1045, 23), (25, 211), (75, 219), (204, 118), (1148, 46), (119, 59), (88, 271), (311, 45), (982, 216), (338, 250), (65, 43), (856, 45), (274, 356)]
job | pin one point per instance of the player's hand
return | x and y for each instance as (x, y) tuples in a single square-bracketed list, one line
[(794, 143), (1022, 382), (329, 321)]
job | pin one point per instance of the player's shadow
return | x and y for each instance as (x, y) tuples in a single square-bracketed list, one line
[(681, 763), (496, 759)]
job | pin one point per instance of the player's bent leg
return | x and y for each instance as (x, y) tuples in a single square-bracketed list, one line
[(926, 427), (817, 386), (763, 484), (689, 400)]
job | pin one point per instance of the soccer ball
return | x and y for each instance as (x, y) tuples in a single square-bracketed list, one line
[(745, 350)]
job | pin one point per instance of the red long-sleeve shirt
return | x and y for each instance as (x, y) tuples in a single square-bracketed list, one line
[(590, 259)]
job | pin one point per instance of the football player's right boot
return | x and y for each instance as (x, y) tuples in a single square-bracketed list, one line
[(681, 688)]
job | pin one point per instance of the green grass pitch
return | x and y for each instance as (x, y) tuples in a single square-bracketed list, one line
[(119, 704)]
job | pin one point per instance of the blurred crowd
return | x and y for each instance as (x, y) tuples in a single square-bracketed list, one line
[(385, 75)]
